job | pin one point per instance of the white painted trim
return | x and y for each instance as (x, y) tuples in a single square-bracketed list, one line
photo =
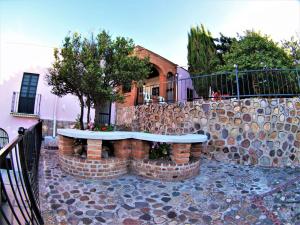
[(120, 135)]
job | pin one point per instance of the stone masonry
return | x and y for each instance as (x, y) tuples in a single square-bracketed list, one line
[(254, 131)]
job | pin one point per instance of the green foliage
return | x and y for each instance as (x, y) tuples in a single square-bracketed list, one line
[(223, 45), (202, 56), (108, 64), (118, 66), (202, 53), (160, 151), (255, 51), (65, 75), (93, 69), (103, 128), (292, 47)]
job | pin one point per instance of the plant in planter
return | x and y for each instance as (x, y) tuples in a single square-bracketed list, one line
[(104, 128), (160, 151), (80, 147)]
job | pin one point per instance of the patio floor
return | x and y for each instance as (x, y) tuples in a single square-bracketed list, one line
[(221, 194)]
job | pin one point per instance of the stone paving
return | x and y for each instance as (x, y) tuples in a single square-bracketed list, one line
[(221, 194)]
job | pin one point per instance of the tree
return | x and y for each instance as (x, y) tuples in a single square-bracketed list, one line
[(202, 53), (223, 45), (95, 69), (202, 57), (65, 75), (255, 51), (109, 64), (292, 47)]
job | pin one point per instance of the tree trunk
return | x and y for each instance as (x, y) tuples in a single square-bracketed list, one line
[(88, 104), (81, 112)]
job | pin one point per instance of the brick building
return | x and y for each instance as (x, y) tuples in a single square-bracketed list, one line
[(160, 86)]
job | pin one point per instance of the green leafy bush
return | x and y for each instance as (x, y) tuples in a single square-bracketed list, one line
[(160, 151)]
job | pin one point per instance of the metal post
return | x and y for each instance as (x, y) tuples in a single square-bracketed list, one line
[(298, 81), (176, 86), (237, 81)]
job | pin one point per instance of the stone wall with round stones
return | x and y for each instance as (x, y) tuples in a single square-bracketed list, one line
[(96, 169), (166, 171), (252, 131)]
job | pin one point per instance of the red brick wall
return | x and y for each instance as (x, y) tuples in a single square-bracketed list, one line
[(65, 145), (181, 153), (131, 148), (163, 65), (85, 168), (167, 171), (122, 149), (94, 149)]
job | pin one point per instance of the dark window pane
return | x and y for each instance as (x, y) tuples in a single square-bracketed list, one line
[(190, 94), (155, 91), (28, 93)]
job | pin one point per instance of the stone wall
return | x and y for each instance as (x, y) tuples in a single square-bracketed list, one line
[(253, 131)]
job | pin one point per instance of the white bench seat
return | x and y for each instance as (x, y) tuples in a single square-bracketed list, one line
[(121, 135)]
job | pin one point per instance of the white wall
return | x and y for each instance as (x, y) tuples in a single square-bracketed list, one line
[(67, 106)]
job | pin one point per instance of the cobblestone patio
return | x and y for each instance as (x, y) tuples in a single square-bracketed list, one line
[(221, 194)]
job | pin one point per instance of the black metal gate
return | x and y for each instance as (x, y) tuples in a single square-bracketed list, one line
[(19, 202)]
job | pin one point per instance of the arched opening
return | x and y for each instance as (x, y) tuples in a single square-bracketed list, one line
[(4, 139), (149, 92), (154, 72)]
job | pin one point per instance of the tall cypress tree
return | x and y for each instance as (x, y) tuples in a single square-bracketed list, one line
[(202, 57)]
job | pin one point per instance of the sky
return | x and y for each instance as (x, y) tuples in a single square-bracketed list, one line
[(30, 29)]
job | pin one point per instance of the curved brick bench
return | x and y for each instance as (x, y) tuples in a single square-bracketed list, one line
[(98, 169), (166, 171), (130, 147)]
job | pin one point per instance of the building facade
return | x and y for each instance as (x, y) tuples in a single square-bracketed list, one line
[(26, 97), (166, 83)]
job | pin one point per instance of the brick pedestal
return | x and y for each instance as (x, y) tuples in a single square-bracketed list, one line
[(181, 153), (94, 148), (196, 150), (140, 149), (122, 149), (65, 145)]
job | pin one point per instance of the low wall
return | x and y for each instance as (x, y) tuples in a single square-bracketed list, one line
[(167, 171), (254, 131), (96, 169), (115, 167)]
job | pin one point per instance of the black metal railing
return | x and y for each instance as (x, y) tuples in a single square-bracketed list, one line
[(25, 104), (236, 84), (243, 84), (19, 202)]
